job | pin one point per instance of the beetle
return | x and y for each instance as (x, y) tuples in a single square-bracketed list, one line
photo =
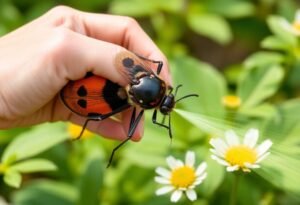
[(97, 98)]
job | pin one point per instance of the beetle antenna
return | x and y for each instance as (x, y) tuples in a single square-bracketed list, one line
[(187, 96), (178, 86)]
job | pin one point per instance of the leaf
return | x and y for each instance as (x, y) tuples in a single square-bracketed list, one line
[(263, 58), (284, 120), (282, 171), (212, 26), (275, 43), (45, 192), (138, 8), (258, 84), (34, 165), (134, 8), (202, 79), (91, 182), (13, 178), (231, 9), (275, 24), (208, 124), (264, 110), (215, 176), (34, 142)]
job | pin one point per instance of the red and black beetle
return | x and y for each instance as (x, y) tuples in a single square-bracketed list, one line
[(97, 98)]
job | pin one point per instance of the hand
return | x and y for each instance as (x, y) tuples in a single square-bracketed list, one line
[(38, 59)]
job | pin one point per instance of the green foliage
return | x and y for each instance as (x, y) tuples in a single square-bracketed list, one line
[(200, 39)]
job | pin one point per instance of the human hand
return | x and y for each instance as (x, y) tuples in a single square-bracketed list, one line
[(38, 59)]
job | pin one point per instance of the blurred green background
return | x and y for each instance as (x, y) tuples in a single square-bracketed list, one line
[(215, 48)]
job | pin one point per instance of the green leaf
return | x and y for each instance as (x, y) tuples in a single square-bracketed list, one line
[(202, 79), (263, 58), (45, 192), (34, 142), (208, 124), (275, 43), (258, 84), (134, 8), (171, 6), (275, 24), (282, 171), (264, 110), (231, 8), (91, 182), (212, 26), (34, 165), (13, 178), (284, 121), (215, 176)]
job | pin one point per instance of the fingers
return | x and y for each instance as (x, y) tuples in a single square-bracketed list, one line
[(119, 30), (126, 32)]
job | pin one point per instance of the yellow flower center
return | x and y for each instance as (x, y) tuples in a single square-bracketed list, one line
[(231, 101), (183, 177), (238, 155), (74, 131), (296, 25)]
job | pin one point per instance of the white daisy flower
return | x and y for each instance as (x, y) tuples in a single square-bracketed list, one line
[(236, 155), (294, 27), (182, 178)]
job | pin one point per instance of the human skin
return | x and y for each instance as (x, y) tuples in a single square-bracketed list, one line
[(38, 59)]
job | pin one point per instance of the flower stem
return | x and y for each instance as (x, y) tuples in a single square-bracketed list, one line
[(233, 196)]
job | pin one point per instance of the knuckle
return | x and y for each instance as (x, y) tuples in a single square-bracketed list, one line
[(58, 43), (61, 10), (62, 16), (130, 22)]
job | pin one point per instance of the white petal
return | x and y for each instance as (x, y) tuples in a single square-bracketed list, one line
[(191, 194), (232, 168), (190, 158), (172, 162), (263, 147), (251, 137), (231, 138), (288, 27), (220, 161), (201, 168), (163, 172), (164, 190), (219, 145), (176, 195), (251, 166), (297, 16), (200, 179), (180, 163), (162, 180), (216, 152), (245, 169), (262, 157)]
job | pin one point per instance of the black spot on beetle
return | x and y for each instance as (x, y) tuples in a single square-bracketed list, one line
[(82, 91), (88, 74), (82, 103), (128, 62)]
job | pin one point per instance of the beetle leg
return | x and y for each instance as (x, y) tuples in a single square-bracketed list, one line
[(168, 127), (90, 118), (99, 117), (154, 120), (159, 63), (132, 127)]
